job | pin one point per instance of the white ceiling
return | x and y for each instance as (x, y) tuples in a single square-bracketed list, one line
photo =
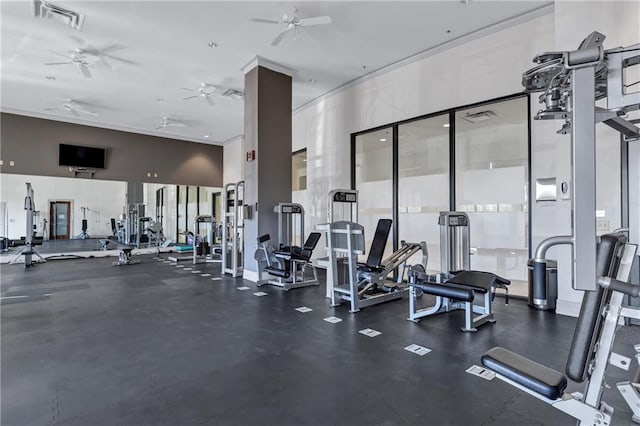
[(164, 48)]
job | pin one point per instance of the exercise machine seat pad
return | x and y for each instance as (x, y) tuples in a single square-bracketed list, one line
[(536, 377), (363, 267), (283, 273), (478, 280), (452, 291)]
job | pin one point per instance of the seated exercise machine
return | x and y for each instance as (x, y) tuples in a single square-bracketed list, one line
[(288, 265), (456, 287), (289, 262), (30, 240), (572, 82), (591, 348), (342, 205), (125, 257), (365, 284), (203, 247)]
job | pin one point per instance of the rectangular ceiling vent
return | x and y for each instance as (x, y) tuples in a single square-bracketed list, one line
[(480, 116), (233, 93), (46, 10)]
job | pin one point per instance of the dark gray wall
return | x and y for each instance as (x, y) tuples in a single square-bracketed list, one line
[(32, 143), (267, 129)]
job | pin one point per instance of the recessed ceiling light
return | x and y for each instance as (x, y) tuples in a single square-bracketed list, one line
[(50, 77), (205, 136), (446, 125), (364, 67), (212, 44), (383, 139)]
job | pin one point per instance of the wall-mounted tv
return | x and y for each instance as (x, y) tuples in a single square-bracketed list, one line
[(81, 156)]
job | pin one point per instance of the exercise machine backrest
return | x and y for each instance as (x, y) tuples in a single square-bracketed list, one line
[(379, 243), (310, 245), (589, 322)]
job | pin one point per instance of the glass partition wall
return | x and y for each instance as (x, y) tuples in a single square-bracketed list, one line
[(374, 181), (423, 183), (492, 175), (473, 159)]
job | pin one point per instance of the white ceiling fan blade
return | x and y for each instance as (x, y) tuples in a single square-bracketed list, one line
[(162, 126), (60, 54), (280, 36), (264, 21), (58, 63), (209, 100), (177, 125), (84, 111), (319, 20), (85, 71), (191, 97)]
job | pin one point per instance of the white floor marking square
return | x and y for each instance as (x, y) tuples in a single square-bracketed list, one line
[(216, 278), (417, 349), (333, 320), (369, 332), (476, 370), (243, 288), (304, 309), (188, 269), (205, 275), (195, 272), (260, 293), (179, 266)]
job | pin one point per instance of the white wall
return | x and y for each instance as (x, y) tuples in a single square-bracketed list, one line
[(478, 70), (105, 198), (233, 170)]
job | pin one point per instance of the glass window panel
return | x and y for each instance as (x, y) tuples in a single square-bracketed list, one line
[(374, 175), (491, 185), (192, 206), (182, 213), (423, 183), (299, 171), (204, 205)]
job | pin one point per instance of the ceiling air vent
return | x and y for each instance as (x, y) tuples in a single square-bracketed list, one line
[(46, 10), (233, 93), (480, 116)]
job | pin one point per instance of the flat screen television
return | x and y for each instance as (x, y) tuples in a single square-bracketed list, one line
[(81, 156)]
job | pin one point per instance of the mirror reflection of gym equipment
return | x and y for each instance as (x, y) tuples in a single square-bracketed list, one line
[(233, 229)]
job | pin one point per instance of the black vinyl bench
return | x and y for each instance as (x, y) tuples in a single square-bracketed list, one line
[(456, 292)]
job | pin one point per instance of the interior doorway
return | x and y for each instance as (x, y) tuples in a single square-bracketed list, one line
[(59, 220)]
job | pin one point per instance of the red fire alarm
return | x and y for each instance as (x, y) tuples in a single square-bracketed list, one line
[(251, 155)]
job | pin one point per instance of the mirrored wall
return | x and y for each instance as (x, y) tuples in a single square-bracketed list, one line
[(91, 209)]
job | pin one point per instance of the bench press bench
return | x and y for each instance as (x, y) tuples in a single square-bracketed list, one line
[(456, 292)]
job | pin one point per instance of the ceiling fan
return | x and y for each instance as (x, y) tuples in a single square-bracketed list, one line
[(206, 91), (293, 23), (76, 59), (73, 107), (101, 54), (169, 122)]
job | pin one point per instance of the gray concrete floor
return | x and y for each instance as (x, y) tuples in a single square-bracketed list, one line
[(85, 343)]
